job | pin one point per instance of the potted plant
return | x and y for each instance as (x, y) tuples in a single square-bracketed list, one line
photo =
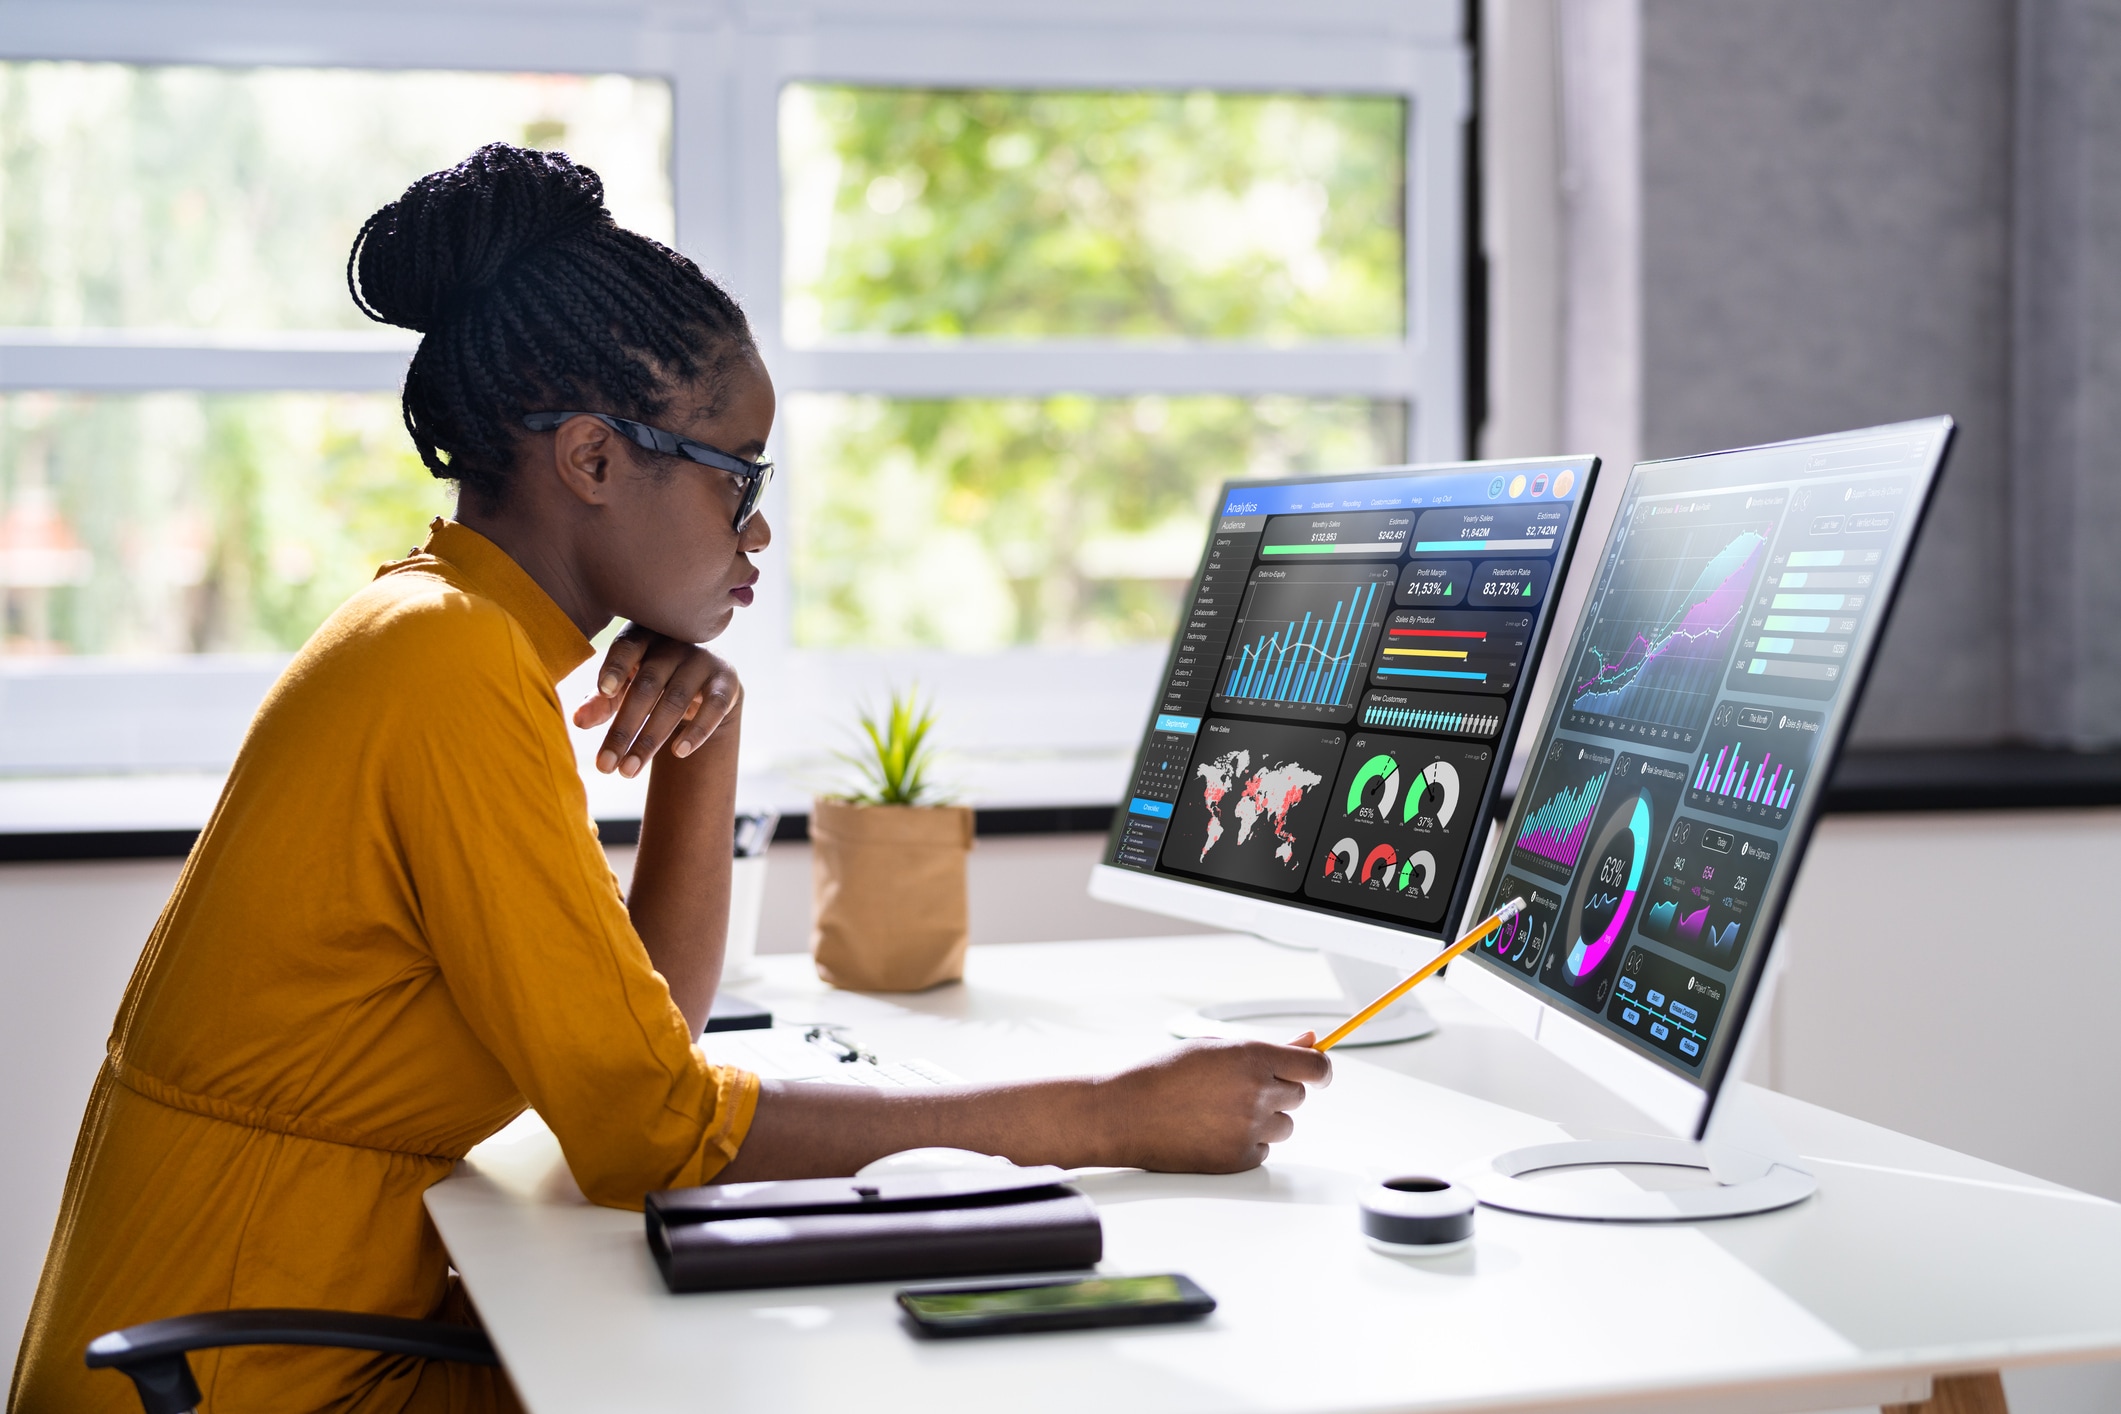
[(888, 864)]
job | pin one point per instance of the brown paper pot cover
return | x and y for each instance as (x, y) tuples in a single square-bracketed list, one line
[(889, 893)]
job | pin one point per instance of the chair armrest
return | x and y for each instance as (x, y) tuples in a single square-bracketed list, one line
[(152, 1353)]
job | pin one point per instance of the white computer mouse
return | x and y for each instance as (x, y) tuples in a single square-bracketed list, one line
[(932, 1161)]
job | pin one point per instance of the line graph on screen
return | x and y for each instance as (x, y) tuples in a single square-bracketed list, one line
[(1667, 622)]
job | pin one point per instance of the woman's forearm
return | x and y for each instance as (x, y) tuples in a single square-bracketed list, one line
[(818, 1131), (680, 894), (1206, 1107)]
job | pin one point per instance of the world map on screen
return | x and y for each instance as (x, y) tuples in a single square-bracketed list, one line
[(1269, 794)]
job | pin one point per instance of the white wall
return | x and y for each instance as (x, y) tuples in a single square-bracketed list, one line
[(68, 936), (1923, 994), (1954, 977), (1028, 889)]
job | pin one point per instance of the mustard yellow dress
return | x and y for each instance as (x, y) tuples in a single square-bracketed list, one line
[(397, 930)]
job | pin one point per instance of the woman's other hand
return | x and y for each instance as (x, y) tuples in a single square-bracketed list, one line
[(656, 691), (1208, 1106)]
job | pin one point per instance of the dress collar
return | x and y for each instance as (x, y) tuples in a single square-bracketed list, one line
[(485, 568)]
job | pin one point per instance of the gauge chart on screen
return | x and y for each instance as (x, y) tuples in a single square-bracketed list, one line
[(1398, 822)]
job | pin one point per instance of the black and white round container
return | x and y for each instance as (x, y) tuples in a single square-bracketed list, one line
[(1418, 1216)]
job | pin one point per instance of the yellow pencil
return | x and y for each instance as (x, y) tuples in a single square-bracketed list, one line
[(1429, 969)]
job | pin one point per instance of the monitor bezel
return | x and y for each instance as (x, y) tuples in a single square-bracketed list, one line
[(1684, 1104), (1373, 939)]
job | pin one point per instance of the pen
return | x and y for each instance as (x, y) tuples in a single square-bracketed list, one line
[(1428, 969)]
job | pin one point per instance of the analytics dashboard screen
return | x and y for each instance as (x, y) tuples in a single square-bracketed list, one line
[(1348, 673), (1666, 797)]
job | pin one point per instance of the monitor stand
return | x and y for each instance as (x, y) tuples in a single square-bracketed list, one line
[(1754, 1168), (1360, 984)]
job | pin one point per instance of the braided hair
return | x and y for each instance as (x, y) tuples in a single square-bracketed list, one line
[(531, 298)]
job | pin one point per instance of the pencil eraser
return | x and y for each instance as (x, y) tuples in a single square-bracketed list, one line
[(1418, 1216)]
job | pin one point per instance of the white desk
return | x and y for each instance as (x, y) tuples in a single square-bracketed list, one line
[(1911, 1261)]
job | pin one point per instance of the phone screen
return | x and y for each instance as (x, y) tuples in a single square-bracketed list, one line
[(1056, 1298)]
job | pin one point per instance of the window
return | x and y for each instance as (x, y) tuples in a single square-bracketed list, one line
[(997, 213), (225, 199), (143, 201), (977, 524), (147, 524), (973, 215), (1031, 283)]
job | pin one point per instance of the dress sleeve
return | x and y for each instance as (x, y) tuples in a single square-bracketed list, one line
[(524, 920)]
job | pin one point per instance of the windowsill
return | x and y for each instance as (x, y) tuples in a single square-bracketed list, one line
[(1985, 778), (157, 816)]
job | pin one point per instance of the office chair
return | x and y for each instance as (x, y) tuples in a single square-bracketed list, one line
[(152, 1354)]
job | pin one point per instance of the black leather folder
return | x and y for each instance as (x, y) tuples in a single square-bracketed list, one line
[(815, 1231)]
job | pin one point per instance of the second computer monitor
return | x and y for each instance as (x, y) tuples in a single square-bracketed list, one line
[(1671, 791)]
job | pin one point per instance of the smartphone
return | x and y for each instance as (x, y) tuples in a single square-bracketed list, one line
[(1059, 1304)]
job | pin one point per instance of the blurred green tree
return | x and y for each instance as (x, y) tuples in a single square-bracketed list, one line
[(1004, 213), (981, 523)]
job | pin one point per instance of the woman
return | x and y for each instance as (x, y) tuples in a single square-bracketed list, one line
[(398, 928)]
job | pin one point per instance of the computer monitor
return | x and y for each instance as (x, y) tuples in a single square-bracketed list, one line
[(1672, 788), (1342, 695)]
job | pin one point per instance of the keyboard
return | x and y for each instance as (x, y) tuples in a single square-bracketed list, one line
[(820, 1055), (894, 1075)]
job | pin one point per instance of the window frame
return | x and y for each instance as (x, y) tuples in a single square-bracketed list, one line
[(726, 64)]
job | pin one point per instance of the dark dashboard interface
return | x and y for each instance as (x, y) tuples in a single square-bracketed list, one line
[(1672, 785), (1348, 673)]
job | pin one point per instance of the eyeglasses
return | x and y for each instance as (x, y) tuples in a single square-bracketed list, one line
[(754, 476)]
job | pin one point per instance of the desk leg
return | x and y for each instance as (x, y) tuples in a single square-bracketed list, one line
[(1959, 1394)]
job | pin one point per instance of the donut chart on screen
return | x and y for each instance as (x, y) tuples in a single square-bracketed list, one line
[(1627, 829), (1340, 861)]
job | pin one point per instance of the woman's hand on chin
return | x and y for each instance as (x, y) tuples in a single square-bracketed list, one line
[(657, 691)]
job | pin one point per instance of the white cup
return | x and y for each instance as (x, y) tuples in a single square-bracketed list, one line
[(747, 895)]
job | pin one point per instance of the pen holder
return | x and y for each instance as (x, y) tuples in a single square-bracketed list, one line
[(1416, 1216)]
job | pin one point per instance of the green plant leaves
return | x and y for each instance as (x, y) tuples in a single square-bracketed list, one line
[(894, 768)]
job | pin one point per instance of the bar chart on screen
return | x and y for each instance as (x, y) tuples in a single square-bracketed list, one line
[(1554, 829), (1452, 649), (1305, 662), (1551, 837), (1303, 646), (1753, 762), (1818, 592)]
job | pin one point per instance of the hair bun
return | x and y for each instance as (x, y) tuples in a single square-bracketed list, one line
[(458, 230)]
